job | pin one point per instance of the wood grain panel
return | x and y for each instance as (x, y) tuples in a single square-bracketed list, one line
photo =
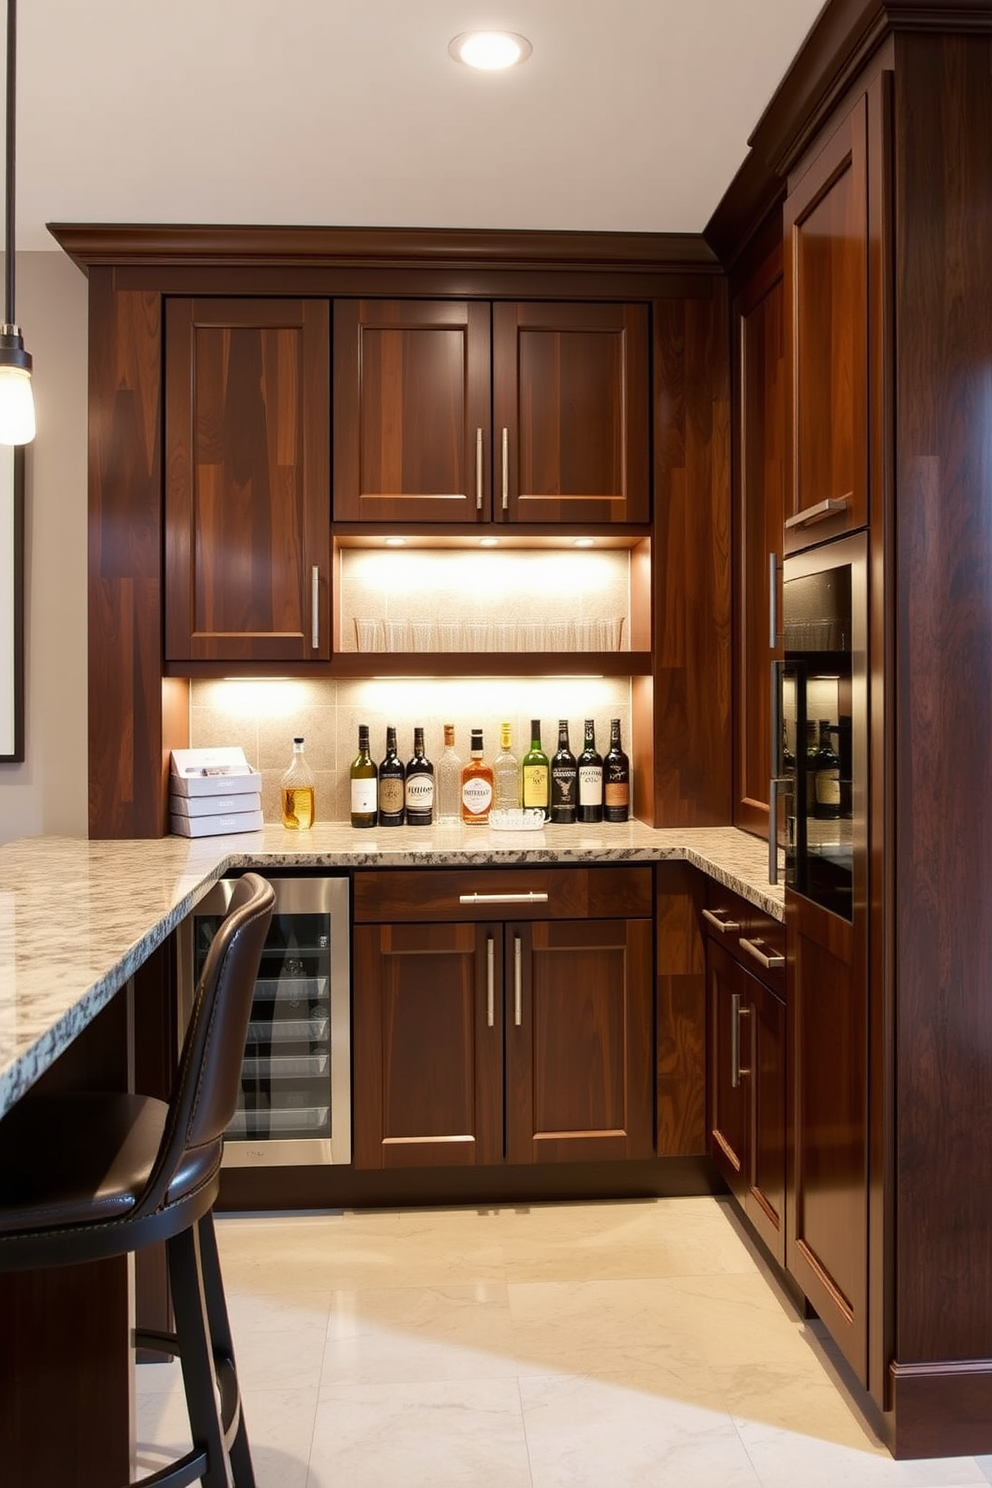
[(125, 645), (692, 562), (680, 1013), (569, 893)]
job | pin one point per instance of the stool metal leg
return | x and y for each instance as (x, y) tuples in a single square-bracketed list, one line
[(196, 1353), (223, 1350)]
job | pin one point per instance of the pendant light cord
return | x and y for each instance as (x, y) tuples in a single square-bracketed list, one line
[(9, 153)]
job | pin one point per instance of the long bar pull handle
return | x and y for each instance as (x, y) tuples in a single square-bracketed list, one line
[(315, 607), (478, 469), (811, 514), (506, 469), (781, 785), (518, 989), (721, 919), (490, 981), (530, 898), (735, 1040), (777, 782), (773, 635), (768, 957)]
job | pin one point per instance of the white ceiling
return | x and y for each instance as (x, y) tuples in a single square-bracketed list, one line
[(630, 115)]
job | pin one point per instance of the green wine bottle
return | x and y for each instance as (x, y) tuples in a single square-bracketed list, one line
[(536, 775)]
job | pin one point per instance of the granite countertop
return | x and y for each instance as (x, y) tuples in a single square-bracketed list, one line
[(77, 918)]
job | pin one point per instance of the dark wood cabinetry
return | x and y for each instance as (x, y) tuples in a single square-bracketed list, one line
[(461, 411), (480, 1038), (826, 287), (247, 480), (745, 958)]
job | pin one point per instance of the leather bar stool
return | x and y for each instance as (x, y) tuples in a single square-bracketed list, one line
[(87, 1176)]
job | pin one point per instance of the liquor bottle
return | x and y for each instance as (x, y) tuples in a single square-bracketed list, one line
[(392, 776), (535, 773), (477, 785), (449, 781), (506, 773), (616, 779), (364, 781), (826, 791), (564, 779), (298, 803), (419, 785), (590, 777)]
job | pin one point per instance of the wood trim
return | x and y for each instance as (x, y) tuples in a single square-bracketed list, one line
[(940, 1409)]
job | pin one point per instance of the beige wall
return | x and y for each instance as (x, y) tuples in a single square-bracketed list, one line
[(48, 792)]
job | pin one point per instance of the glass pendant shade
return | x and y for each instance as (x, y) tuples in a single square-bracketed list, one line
[(17, 421)]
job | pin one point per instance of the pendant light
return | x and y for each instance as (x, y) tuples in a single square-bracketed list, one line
[(17, 425)]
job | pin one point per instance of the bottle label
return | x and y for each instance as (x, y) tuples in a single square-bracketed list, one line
[(391, 795), (563, 786), (590, 785), (477, 795), (535, 785), (617, 793), (420, 794), (828, 787), (363, 796)]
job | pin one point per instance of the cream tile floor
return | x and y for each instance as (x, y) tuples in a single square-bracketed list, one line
[(606, 1345)]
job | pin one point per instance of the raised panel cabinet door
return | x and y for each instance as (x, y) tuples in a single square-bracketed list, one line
[(826, 288), (247, 480), (827, 1231), (764, 1202), (571, 405), (412, 411), (428, 1045), (761, 466), (579, 1059), (729, 1068)]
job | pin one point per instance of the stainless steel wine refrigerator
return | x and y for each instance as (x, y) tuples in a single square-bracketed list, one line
[(819, 726), (295, 1099)]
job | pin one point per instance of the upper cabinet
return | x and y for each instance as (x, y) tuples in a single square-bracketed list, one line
[(247, 479), (469, 412), (826, 288)]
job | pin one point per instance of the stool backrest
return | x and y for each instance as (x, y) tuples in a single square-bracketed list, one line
[(206, 1089)]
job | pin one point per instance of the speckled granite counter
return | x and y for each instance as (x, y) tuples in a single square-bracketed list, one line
[(77, 917)]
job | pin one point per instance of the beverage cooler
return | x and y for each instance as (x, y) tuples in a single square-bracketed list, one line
[(294, 1105), (819, 726)]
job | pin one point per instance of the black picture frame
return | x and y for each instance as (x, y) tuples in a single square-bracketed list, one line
[(11, 605)]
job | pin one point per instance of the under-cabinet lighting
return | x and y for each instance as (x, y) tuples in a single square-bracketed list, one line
[(488, 542), (395, 542), (584, 542), (492, 51)]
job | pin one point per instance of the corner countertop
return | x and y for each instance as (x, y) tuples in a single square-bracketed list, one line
[(77, 918)]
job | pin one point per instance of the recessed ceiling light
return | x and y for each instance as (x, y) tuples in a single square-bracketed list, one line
[(490, 50), (488, 542)]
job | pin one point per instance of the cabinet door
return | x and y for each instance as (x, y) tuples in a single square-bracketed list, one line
[(428, 1045), (412, 411), (729, 1117), (759, 532), (247, 488), (826, 282), (764, 1202), (571, 406), (827, 1241), (578, 1040)]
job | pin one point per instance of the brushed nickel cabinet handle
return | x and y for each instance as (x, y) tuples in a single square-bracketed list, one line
[(530, 898), (779, 785), (811, 514), (773, 635), (478, 469), (490, 981), (771, 961), (721, 919), (735, 1040), (518, 989), (315, 607), (506, 469)]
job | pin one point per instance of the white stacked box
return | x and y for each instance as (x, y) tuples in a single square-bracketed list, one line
[(213, 792)]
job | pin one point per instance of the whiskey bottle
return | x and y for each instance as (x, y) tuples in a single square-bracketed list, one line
[(449, 781), (298, 803), (616, 779), (826, 788), (506, 773), (535, 773), (392, 776), (477, 785), (419, 785), (564, 779), (364, 780), (590, 777)]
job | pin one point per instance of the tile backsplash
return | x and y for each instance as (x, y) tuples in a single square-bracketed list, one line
[(263, 716)]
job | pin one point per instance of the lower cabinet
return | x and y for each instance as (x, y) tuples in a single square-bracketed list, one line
[(502, 1017), (747, 1090)]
